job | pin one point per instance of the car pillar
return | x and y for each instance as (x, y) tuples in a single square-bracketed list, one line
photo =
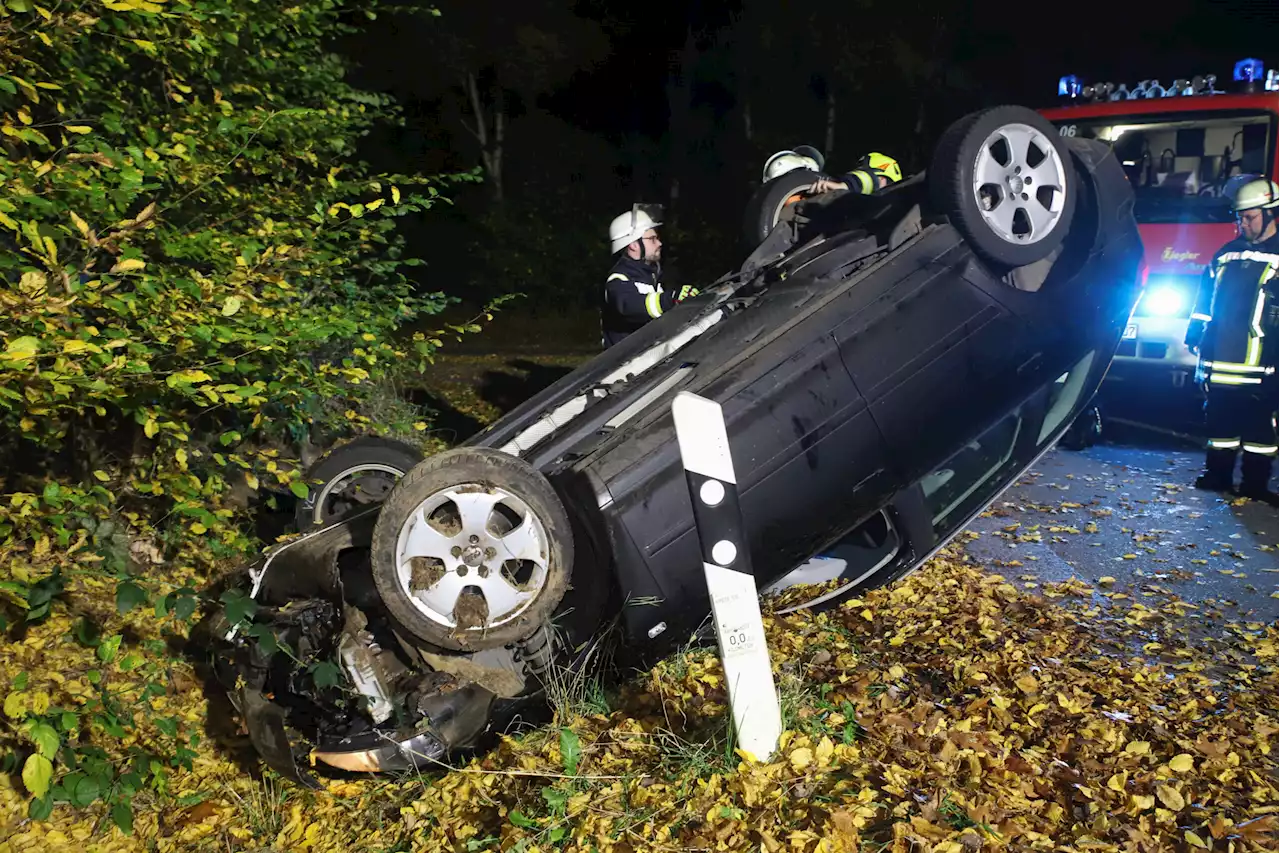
[(726, 563)]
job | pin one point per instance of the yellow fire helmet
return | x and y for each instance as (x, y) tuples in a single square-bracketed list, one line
[(884, 164)]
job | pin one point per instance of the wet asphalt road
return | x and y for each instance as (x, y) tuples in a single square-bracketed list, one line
[(1130, 512)]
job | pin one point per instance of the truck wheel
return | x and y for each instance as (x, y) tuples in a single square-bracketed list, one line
[(472, 550), (351, 475), (1084, 431), (768, 203), (1004, 178)]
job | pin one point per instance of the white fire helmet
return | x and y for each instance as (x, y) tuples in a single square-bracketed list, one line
[(800, 157), (1255, 193), (628, 227)]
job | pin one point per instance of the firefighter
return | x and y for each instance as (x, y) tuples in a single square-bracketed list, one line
[(633, 292), (875, 172), (800, 157), (1233, 330)]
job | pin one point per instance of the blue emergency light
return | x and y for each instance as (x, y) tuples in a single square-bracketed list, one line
[(1249, 70), (1069, 86)]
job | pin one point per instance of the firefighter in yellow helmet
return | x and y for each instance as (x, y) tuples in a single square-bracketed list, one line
[(1233, 329), (874, 172)]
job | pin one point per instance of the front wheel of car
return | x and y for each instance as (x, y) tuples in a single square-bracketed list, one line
[(1004, 179), (472, 550)]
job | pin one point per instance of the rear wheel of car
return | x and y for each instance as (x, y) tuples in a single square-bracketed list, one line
[(353, 475), (767, 205), (472, 550), (1004, 178)]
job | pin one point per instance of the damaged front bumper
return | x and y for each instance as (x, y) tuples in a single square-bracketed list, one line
[(320, 675)]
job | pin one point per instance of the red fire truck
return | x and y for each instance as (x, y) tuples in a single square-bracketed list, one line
[(1180, 145)]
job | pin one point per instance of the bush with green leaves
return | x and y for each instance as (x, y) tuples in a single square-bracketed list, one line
[(196, 273)]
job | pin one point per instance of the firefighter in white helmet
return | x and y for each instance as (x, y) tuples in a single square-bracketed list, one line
[(800, 157), (1233, 329), (633, 293)]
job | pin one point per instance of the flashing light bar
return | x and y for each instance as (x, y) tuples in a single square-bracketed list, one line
[(1247, 72)]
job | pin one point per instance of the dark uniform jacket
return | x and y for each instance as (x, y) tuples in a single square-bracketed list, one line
[(632, 297), (1234, 320)]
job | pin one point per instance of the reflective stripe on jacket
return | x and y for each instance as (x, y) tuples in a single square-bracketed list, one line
[(1234, 319), (632, 297)]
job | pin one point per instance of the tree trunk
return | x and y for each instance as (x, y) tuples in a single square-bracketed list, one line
[(830, 147), (499, 135), (490, 143), (680, 109)]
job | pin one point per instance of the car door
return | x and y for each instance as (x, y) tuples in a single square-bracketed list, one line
[(928, 351)]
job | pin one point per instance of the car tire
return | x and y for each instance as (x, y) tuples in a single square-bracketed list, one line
[(1084, 432), (357, 473), (458, 556), (768, 202), (975, 179)]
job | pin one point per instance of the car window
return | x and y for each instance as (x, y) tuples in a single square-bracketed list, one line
[(970, 478), (1063, 397)]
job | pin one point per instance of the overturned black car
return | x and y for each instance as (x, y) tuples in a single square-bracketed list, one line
[(886, 365)]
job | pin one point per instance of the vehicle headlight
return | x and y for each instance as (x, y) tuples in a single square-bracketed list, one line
[(1164, 299)]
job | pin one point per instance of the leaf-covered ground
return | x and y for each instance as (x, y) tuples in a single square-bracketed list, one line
[(958, 710), (951, 712)]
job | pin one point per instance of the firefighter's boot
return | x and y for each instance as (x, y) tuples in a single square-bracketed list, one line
[(1219, 467), (1255, 473)]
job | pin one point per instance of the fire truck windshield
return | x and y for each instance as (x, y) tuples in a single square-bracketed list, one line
[(1178, 163)]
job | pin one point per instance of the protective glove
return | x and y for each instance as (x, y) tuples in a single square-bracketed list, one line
[(1195, 334), (686, 292)]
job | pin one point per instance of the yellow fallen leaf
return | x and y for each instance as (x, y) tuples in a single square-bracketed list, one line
[(801, 758), (1170, 797), (1192, 838), (1107, 581), (1138, 747), (1116, 782), (1182, 763), (824, 752), (1142, 802)]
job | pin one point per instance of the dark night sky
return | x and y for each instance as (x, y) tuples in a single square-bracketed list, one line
[(1017, 51), (611, 145)]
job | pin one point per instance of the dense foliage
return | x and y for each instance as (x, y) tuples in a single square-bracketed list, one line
[(197, 274)]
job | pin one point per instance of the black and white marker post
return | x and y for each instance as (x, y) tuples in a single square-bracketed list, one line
[(735, 602)]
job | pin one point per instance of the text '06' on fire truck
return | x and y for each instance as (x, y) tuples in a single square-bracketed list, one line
[(1181, 144)]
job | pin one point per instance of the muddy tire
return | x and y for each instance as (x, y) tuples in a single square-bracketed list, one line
[(472, 550)]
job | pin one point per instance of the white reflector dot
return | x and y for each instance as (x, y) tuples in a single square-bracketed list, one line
[(712, 492), (723, 552)]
